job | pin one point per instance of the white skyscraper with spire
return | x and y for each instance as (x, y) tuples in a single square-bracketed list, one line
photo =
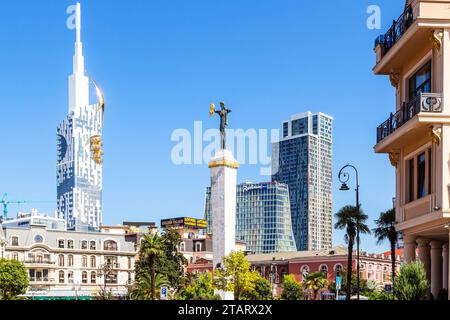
[(79, 152)]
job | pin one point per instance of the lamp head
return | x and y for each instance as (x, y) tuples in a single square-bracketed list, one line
[(344, 187)]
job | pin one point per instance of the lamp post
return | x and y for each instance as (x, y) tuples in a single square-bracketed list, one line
[(344, 177)]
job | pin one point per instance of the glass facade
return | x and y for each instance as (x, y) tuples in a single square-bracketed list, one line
[(263, 219), (303, 161)]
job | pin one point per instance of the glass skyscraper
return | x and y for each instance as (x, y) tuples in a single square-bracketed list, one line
[(263, 219), (303, 160)]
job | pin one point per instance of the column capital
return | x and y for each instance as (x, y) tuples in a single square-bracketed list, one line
[(436, 244), (408, 239), (445, 246), (423, 242)]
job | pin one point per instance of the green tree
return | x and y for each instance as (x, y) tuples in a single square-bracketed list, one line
[(315, 282), (235, 275), (261, 290), (385, 230), (350, 219), (363, 286), (292, 289), (172, 263), (411, 283), (151, 250), (199, 288), (142, 288), (13, 279)]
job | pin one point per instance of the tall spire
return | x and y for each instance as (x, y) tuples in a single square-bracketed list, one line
[(78, 82)]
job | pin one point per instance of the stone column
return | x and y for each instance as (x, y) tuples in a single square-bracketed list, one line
[(436, 267), (424, 255), (445, 266), (223, 168), (409, 252)]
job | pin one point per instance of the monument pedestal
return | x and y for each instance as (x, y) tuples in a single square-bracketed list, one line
[(223, 168)]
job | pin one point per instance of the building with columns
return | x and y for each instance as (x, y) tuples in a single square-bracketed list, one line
[(414, 53)]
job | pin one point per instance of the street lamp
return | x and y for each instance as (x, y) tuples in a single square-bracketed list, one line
[(344, 177)]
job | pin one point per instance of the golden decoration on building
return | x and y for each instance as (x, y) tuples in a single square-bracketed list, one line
[(435, 136), (394, 158), (97, 149), (394, 77), (101, 99), (436, 39)]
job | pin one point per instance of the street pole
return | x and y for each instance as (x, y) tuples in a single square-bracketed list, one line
[(357, 235)]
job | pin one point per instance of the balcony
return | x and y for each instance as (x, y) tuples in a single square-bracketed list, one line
[(40, 262), (395, 33), (41, 280), (426, 102)]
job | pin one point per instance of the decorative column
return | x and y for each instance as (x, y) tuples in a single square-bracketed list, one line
[(409, 252), (445, 266), (424, 255), (223, 206), (436, 267)]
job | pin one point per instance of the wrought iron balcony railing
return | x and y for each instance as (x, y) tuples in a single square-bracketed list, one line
[(397, 30), (425, 102)]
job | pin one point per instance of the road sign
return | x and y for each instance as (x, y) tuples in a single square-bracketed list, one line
[(164, 293), (338, 283)]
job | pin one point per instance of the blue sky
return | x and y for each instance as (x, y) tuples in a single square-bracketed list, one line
[(161, 63)]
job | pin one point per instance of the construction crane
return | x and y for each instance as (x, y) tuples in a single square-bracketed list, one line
[(6, 202)]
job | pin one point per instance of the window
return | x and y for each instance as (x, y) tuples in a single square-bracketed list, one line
[(419, 175), (338, 269), (93, 245), (129, 263), (61, 277), (69, 244), (421, 189), (15, 256), (84, 277), (324, 270), (70, 261), (420, 81), (38, 238), (305, 272), (61, 244), (110, 245), (198, 247), (70, 277), (15, 241), (84, 245), (93, 277), (61, 260), (93, 262), (84, 263), (182, 247)]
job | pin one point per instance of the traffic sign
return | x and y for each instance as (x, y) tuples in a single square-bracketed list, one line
[(338, 283), (164, 293)]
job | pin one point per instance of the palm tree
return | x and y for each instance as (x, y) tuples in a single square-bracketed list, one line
[(386, 231), (315, 281), (152, 247), (350, 219), (143, 290)]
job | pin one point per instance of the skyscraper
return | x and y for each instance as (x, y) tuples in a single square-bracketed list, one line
[(263, 219), (303, 160), (79, 163)]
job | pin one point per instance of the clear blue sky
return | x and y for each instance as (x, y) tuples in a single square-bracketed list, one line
[(161, 63)]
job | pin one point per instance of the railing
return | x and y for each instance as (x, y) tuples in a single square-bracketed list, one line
[(394, 34), (40, 262), (425, 102), (43, 279)]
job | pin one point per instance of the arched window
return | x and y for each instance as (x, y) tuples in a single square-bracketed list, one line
[(61, 277), (61, 260), (198, 247), (338, 268), (69, 244), (93, 262), (84, 262), (324, 270), (130, 264), (93, 245), (305, 271), (70, 277), (84, 245), (84, 277), (15, 241), (93, 277), (182, 247), (110, 245), (70, 261), (15, 256)]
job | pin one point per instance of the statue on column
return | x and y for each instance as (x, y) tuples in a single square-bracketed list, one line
[(223, 113)]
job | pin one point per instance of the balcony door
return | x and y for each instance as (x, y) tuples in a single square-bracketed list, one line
[(420, 82)]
